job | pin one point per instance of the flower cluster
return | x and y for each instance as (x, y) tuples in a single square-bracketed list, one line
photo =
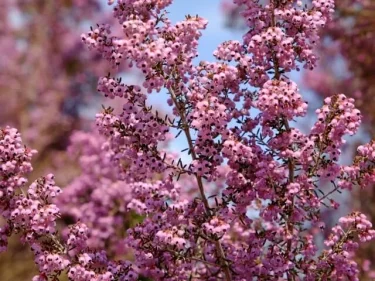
[(281, 98), (362, 171), (114, 88), (338, 259), (15, 161)]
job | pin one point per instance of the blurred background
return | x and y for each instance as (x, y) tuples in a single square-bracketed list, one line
[(48, 84)]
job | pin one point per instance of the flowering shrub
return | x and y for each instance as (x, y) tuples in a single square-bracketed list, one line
[(258, 163), (346, 64)]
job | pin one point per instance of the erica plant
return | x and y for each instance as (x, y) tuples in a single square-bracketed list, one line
[(237, 116)]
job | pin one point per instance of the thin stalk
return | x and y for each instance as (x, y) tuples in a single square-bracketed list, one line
[(291, 164), (219, 248)]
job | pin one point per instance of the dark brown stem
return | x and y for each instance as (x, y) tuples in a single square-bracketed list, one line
[(291, 164), (219, 248)]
